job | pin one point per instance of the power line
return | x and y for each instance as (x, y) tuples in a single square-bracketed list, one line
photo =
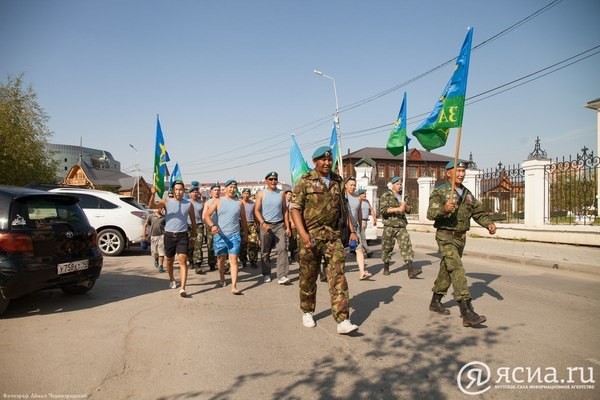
[(311, 126)]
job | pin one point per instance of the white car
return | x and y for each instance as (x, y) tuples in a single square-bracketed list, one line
[(118, 220)]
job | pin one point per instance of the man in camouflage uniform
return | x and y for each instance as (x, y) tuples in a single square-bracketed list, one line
[(393, 210), (452, 213), (215, 192), (249, 250), (195, 252), (315, 210)]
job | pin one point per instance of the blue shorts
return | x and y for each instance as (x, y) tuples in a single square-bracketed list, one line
[(227, 244)]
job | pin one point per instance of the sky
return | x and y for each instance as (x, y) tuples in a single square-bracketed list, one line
[(233, 80)]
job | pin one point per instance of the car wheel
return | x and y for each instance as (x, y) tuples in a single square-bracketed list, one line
[(79, 288), (3, 304), (111, 242)]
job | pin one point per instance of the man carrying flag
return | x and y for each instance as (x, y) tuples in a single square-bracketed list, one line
[(452, 211)]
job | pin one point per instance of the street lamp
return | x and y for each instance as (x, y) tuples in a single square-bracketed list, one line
[(336, 120), (137, 169)]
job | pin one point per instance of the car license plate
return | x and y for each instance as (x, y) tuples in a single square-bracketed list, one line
[(65, 268)]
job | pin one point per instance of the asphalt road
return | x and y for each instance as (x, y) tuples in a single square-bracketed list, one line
[(133, 338)]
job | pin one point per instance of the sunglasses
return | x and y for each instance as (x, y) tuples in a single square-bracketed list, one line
[(272, 179)]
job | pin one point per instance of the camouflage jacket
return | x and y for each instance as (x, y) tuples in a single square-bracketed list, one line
[(319, 205), (395, 220), (468, 207)]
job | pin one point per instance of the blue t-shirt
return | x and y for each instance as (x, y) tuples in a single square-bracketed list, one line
[(229, 216), (176, 216), (272, 205)]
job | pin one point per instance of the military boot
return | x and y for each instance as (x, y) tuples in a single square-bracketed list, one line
[(469, 316), (386, 268), (437, 306), (412, 271)]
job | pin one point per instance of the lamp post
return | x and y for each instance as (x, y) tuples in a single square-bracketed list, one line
[(137, 172), (336, 120)]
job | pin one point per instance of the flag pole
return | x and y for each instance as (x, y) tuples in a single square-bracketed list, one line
[(456, 159), (404, 172)]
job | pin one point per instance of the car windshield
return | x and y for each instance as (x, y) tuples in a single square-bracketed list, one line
[(31, 212)]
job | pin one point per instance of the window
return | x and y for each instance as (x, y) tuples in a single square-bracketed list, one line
[(87, 201), (391, 170), (412, 172), (381, 171)]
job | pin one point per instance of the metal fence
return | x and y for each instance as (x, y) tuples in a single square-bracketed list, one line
[(573, 189), (502, 193)]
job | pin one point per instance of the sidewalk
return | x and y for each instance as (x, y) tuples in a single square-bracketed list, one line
[(564, 257)]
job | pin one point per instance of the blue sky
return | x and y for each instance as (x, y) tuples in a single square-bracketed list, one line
[(232, 80)]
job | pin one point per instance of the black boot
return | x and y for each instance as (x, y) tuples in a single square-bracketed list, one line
[(469, 316), (386, 268), (437, 306), (412, 271)]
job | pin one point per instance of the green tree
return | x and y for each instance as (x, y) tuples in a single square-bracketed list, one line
[(23, 135)]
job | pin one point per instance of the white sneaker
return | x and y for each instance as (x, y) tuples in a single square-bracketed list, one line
[(345, 327), (308, 321), (284, 281), (173, 285), (266, 279)]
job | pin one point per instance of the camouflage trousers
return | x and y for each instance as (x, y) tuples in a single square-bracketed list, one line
[(451, 271), (212, 260), (249, 250), (195, 253), (309, 260), (388, 239)]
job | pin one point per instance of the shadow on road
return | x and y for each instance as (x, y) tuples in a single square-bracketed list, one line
[(111, 286)]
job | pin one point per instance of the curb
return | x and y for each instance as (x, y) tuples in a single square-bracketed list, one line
[(584, 268)]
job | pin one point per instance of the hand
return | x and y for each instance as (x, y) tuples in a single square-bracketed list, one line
[(450, 206), (491, 229), (353, 236), (307, 240)]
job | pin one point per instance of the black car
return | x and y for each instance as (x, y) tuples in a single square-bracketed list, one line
[(46, 242)]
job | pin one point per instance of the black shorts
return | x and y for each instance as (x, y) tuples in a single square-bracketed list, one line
[(176, 243)]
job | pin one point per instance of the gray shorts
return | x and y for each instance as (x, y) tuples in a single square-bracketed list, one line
[(157, 245)]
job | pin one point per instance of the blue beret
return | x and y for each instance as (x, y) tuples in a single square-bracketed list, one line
[(459, 164), (272, 174), (322, 151), (230, 182), (194, 188), (215, 185), (396, 179), (361, 191), (246, 190), (195, 183)]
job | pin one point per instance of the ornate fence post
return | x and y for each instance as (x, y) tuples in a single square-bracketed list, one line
[(425, 189), (537, 189)]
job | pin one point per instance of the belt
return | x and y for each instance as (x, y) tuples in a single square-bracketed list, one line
[(175, 234), (457, 234), (274, 223)]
